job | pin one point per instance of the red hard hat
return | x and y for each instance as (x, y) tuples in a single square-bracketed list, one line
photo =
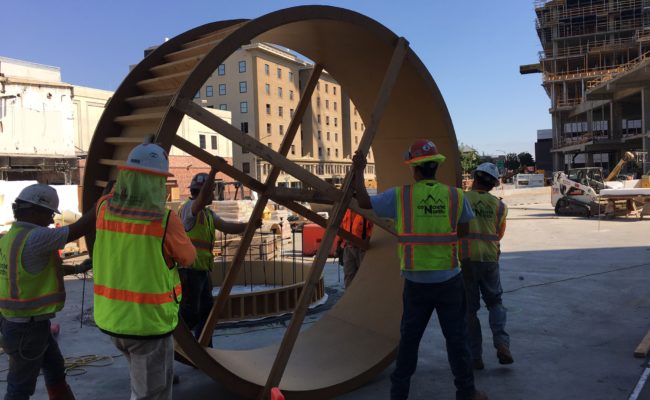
[(421, 151)]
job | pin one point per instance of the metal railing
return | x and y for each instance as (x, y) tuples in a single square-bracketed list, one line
[(586, 48), (560, 11), (617, 71)]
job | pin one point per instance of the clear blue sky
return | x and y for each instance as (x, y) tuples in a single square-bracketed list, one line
[(472, 48)]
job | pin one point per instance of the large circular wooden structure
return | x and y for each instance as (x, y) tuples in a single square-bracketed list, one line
[(398, 101)]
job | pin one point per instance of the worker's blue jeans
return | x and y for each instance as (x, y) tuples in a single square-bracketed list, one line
[(30, 347), (482, 279), (420, 299), (197, 298)]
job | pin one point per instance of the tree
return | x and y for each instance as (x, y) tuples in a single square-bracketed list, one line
[(525, 159), (469, 158), (512, 162)]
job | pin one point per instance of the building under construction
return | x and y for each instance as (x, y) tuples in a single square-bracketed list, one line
[(594, 59)]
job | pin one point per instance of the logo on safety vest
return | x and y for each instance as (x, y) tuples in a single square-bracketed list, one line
[(431, 206), (483, 210)]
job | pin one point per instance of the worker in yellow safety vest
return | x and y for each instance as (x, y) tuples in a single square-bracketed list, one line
[(200, 223), (137, 288), (32, 291), (429, 218), (480, 251)]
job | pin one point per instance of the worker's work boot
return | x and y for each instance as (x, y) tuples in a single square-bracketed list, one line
[(504, 355), (478, 364), (60, 391)]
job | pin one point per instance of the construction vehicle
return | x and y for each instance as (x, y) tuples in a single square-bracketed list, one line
[(577, 191)]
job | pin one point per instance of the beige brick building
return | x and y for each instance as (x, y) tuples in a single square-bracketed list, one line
[(261, 85)]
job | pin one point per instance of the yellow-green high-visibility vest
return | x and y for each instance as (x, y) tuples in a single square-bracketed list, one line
[(427, 218), (202, 237), (482, 242), (23, 294), (136, 292)]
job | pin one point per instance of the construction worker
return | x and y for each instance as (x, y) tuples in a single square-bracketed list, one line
[(429, 218), (32, 291), (137, 288), (359, 226), (480, 264), (200, 223)]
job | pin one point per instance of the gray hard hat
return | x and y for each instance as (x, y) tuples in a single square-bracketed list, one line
[(198, 180), (40, 195), (489, 169)]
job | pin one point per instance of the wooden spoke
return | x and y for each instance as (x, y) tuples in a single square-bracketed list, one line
[(260, 205), (251, 144), (322, 221), (291, 334), (303, 195), (223, 166)]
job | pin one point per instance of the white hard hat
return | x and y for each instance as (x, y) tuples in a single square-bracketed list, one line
[(41, 195), (149, 157), (489, 169)]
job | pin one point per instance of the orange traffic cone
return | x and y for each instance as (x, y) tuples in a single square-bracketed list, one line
[(276, 394)]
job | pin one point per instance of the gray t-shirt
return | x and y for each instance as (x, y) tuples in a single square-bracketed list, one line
[(42, 241), (188, 219)]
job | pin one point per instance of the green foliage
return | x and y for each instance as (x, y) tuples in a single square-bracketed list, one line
[(512, 162), (525, 159), (469, 158)]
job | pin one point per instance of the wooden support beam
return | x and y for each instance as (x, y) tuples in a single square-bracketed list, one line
[(139, 119), (260, 205), (643, 347), (162, 83), (124, 140), (156, 99), (218, 162), (291, 334), (277, 159), (175, 66), (259, 187), (322, 221), (304, 195), (371, 216)]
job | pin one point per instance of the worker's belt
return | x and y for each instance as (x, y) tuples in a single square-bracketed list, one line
[(36, 318)]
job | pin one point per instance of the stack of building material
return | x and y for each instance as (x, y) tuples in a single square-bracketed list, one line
[(263, 247), (234, 210)]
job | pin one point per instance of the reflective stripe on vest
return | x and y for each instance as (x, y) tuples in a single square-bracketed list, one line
[(25, 294), (434, 247), (136, 293), (481, 244), (135, 297), (202, 237)]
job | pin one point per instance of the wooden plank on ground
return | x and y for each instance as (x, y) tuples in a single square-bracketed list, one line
[(643, 347)]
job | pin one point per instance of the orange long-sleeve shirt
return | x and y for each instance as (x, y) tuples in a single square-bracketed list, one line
[(177, 246)]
